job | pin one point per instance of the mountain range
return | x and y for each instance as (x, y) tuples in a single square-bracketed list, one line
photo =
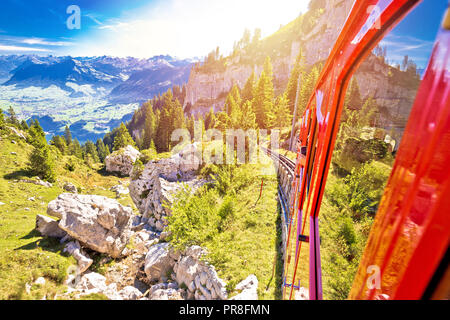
[(90, 94)]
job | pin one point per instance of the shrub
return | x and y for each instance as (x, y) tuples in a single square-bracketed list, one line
[(356, 152), (70, 165), (148, 155), (194, 219), (361, 191)]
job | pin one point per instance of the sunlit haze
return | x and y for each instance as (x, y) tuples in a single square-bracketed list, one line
[(146, 28)]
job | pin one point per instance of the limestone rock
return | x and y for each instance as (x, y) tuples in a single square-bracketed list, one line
[(143, 240), (200, 278), (69, 187), (49, 227), (93, 282), (120, 190), (84, 261), (248, 288), (37, 181), (166, 291), (100, 223), (159, 181), (186, 269), (17, 132), (122, 161), (129, 293), (158, 262)]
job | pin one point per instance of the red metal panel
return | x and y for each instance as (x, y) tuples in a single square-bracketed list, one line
[(412, 228)]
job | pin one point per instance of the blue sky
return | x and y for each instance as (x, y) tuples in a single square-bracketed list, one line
[(140, 28), (183, 28), (416, 34)]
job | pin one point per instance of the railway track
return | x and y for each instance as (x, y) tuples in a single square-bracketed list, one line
[(286, 173), (287, 163)]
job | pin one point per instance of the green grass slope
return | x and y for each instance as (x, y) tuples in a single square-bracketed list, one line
[(24, 254)]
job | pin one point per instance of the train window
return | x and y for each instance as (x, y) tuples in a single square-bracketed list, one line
[(377, 106)]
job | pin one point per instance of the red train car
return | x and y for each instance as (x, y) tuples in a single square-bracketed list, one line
[(406, 256)]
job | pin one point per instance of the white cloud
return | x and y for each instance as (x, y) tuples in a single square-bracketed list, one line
[(398, 47), (43, 42), (21, 49), (93, 18), (186, 28)]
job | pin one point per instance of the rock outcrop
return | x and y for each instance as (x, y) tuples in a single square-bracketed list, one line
[(158, 262), (156, 184), (92, 282), (248, 289), (69, 187), (194, 279), (166, 291), (122, 161), (200, 278), (49, 227), (83, 259), (37, 181), (143, 240), (120, 190), (99, 223), (208, 89)]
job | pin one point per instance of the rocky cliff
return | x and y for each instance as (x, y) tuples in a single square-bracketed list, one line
[(393, 90), (208, 89)]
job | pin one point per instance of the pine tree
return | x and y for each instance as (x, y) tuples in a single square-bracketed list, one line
[(91, 151), (36, 131), (353, 99), (235, 117), (191, 122), (177, 113), (169, 117), (280, 116), (210, 119), (102, 150), (60, 143), (264, 95), (223, 121), (24, 125), (12, 116), (307, 89), (152, 145), (149, 128), (230, 104), (248, 118), (162, 132), (75, 149), (123, 138), (236, 93), (263, 100), (296, 75), (2, 119), (249, 88), (256, 36), (68, 135), (368, 113), (41, 162)]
